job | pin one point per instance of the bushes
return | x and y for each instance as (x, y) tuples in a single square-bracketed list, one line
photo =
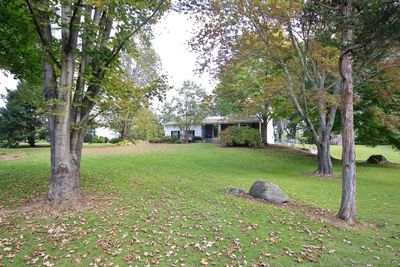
[(174, 140), (124, 143), (115, 140), (165, 139), (242, 136), (197, 139), (227, 136), (99, 139)]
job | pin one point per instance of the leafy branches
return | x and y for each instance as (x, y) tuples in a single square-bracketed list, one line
[(188, 108)]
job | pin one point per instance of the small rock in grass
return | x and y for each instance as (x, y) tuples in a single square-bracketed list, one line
[(236, 191), (268, 191)]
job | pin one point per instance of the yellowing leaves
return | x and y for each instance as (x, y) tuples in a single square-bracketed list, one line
[(204, 262)]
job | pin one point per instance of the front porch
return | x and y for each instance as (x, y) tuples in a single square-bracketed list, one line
[(212, 131)]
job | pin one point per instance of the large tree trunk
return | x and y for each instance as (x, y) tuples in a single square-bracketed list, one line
[(64, 185), (125, 130), (65, 164), (186, 135), (348, 204), (324, 156), (322, 137), (323, 141), (65, 177)]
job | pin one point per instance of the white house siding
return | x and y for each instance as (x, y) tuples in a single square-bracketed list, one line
[(168, 128), (215, 120)]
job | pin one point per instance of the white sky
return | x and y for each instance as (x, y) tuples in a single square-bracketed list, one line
[(6, 81), (171, 36)]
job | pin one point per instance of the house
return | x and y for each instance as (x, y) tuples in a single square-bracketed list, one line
[(211, 127)]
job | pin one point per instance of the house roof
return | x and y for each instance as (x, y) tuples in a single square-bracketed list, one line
[(222, 119)]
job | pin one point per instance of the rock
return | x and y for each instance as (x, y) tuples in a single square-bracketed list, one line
[(268, 191), (377, 159), (236, 191)]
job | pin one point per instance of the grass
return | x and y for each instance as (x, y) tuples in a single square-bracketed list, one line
[(169, 209)]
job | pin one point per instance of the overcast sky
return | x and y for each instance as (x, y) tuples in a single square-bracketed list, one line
[(6, 81), (171, 36)]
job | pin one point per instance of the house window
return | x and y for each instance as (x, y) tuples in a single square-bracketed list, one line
[(176, 134)]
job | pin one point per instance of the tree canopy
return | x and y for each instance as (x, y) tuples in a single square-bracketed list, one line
[(188, 108), (23, 119)]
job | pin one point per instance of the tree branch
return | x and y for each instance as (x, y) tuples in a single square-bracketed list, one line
[(71, 23), (118, 48), (42, 34)]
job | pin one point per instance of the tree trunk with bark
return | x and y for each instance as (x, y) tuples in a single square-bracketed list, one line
[(321, 137), (324, 157), (323, 141), (125, 130), (279, 130), (347, 210), (65, 174), (31, 141), (186, 135), (66, 142), (71, 98)]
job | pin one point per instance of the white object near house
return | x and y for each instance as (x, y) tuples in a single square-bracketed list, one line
[(211, 127)]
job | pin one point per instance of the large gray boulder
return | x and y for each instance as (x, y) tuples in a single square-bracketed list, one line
[(268, 191)]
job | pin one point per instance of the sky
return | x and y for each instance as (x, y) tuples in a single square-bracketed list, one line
[(6, 81), (171, 36)]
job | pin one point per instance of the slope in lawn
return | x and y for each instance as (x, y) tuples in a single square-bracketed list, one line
[(169, 208)]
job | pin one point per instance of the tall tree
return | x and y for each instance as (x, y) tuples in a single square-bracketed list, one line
[(188, 108), (138, 82), (248, 87), (348, 204), (368, 29), (291, 44), (146, 126), (23, 118), (92, 35)]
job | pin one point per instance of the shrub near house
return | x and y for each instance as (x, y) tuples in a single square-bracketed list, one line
[(240, 136)]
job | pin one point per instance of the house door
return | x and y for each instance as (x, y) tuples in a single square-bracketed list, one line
[(215, 131), (208, 131)]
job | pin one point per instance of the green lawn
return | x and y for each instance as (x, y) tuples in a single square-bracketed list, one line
[(169, 208)]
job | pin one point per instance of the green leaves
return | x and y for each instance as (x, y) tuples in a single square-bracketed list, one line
[(19, 52), (188, 108), (131, 86), (23, 117)]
